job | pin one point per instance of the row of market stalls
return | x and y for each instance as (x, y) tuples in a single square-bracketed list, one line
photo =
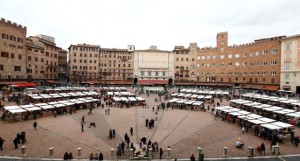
[(183, 103), (197, 91), (279, 101), (253, 119), (110, 93), (33, 97), (128, 101), (106, 89), (12, 112), (191, 96), (280, 112)]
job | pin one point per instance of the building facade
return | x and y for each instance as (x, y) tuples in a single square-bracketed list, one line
[(290, 64), (13, 51), (185, 62), (247, 65), (154, 65), (35, 60), (116, 64), (62, 64), (51, 52), (83, 63)]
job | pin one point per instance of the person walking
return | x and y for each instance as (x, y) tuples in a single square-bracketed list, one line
[(263, 148), (82, 119), (161, 152), (82, 123), (15, 141), (34, 125), (131, 130), (1, 143), (192, 158)]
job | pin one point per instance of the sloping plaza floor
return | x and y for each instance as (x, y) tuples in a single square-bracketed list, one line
[(183, 130)]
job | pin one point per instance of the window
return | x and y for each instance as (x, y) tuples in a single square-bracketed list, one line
[(213, 57), (273, 73), (156, 74), (288, 46), (203, 58), (274, 51), (17, 68), (256, 73), (251, 54), (187, 59), (198, 57), (263, 73), (244, 54), (287, 55), (237, 55), (264, 52), (256, 53), (256, 63), (244, 64), (222, 57), (181, 59), (1, 67), (237, 64), (230, 56), (287, 65), (4, 54), (264, 63), (208, 57), (273, 62), (74, 60), (149, 73), (12, 55), (287, 76), (251, 64), (230, 64)]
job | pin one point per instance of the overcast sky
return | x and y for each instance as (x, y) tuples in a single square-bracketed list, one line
[(164, 23)]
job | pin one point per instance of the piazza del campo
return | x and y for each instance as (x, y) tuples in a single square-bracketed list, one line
[(63, 100)]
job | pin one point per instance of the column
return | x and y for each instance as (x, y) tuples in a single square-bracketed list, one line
[(23, 151), (78, 153), (169, 153), (250, 151), (225, 151), (112, 153)]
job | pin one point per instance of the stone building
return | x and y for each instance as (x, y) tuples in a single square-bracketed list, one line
[(290, 63), (62, 64), (35, 60), (83, 63), (185, 62), (116, 64), (13, 51), (251, 65), (153, 66), (51, 52)]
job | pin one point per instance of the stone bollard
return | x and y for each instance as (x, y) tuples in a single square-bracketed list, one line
[(225, 151), (250, 151), (169, 153), (78, 153), (23, 151), (200, 153), (276, 149), (273, 149), (112, 153), (131, 153), (51, 152), (150, 154)]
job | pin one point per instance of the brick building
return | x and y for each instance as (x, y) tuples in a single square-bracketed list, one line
[(13, 51), (185, 62), (116, 64), (251, 65), (51, 52), (62, 64), (35, 60), (83, 63)]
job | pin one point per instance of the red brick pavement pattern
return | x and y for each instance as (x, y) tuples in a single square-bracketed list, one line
[(182, 130)]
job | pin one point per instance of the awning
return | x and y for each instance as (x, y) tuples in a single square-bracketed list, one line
[(28, 84), (52, 81), (151, 82), (271, 88)]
